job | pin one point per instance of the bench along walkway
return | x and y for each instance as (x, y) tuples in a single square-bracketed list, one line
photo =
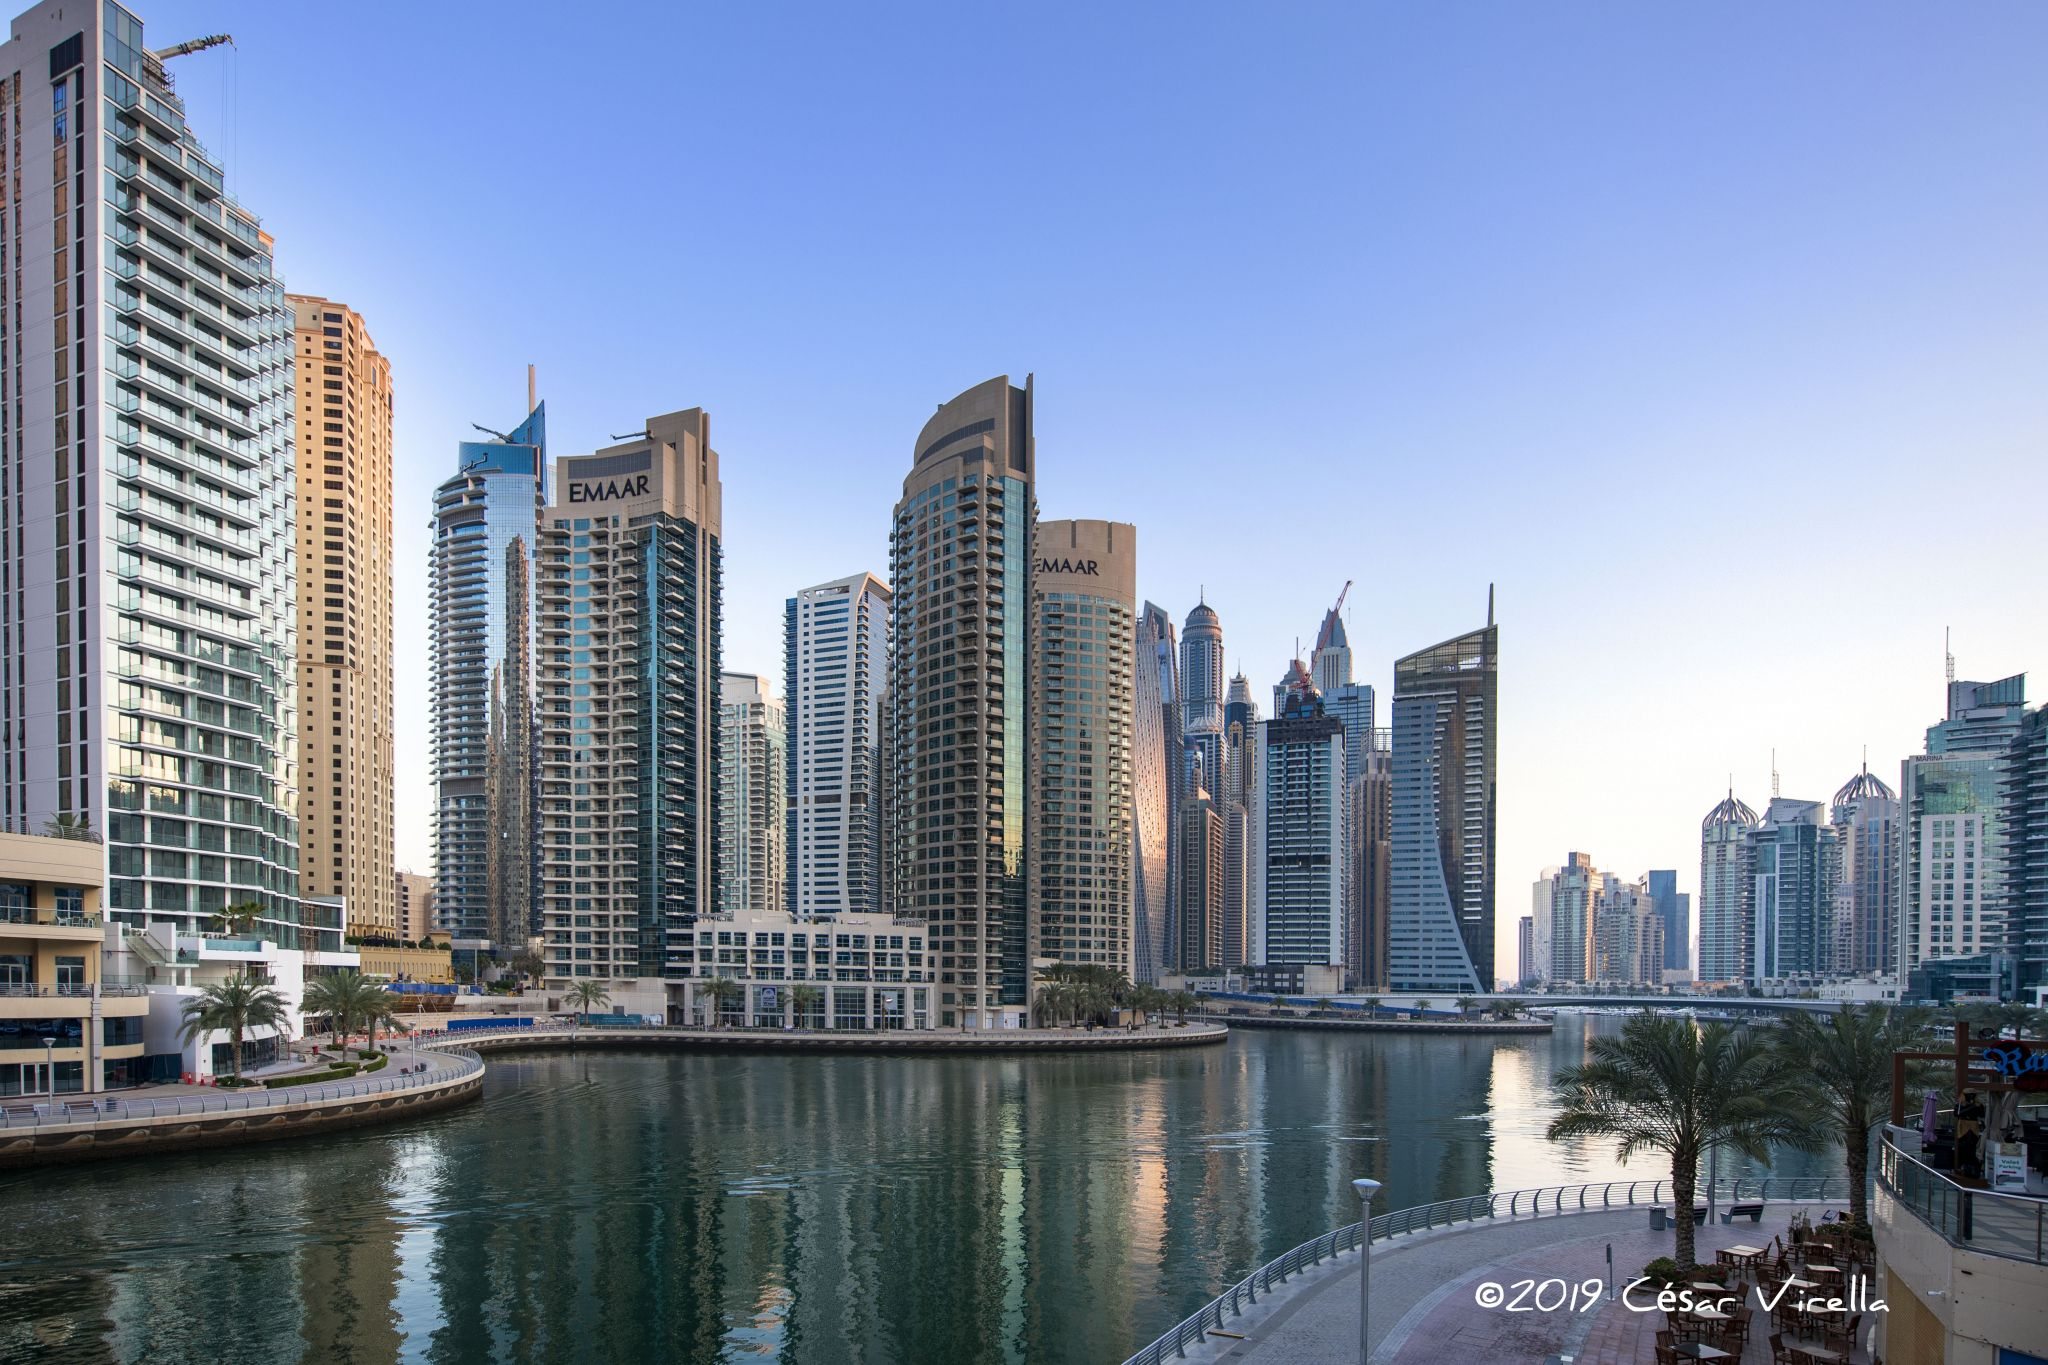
[(1428, 1266)]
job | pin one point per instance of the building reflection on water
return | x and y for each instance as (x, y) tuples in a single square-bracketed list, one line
[(815, 1209)]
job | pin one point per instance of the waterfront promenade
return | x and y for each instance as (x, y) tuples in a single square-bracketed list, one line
[(1425, 1309), (941, 1042)]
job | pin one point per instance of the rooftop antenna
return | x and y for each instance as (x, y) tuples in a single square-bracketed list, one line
[(1489, 604), (1774, 774), (532, 390)]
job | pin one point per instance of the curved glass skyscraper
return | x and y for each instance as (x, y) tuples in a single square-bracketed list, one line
[(481, 571), (960, 548)]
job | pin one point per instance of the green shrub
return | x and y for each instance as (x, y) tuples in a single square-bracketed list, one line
[(367, 1053), (376, 1065), (1663, 1270)]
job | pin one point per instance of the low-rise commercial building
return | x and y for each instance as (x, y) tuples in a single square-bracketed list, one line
[(65, 1026), (849, 972)]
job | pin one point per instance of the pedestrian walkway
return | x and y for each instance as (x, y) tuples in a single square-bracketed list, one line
[(1427, 1292)]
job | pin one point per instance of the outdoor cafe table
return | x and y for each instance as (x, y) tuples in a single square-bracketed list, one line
[(1699, 1350), (1740, 1255), (1820, 1353)]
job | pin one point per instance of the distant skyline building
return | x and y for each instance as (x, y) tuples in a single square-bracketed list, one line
[(1542, 898), (1446, 737), (1628, 933), (1574, 905), (1727, 892), (415, 897), (1298, 897), (1155, 796), (1952, 836), (752, 796), (1793, 859), (960, 557), (1329, 663), (630, 746), (1201, 891), (346, 761), (835, 675), (1202, 696), (148, 575), (1240, 817), (1084, 613), (1865, 815), (2024, 803), (1372, 804), (1525, 949), (1674, 910), (480, 574)]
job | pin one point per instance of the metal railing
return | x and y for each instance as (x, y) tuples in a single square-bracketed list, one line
[(1544, 1202), (112, 1108), (2013, 1226)]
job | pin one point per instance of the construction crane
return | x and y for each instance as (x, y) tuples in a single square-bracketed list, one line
[(1330, 621), (184, 49)]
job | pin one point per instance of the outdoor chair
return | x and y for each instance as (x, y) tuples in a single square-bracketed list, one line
[(1782, 1354), (1666, 1356), (1843, 1339)]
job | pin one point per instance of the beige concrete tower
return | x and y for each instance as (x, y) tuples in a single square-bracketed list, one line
[(343, 389), (1084, 609)]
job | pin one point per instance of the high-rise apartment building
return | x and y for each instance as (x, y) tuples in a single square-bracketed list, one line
[(1329, 663), (1525, 950), (148, 575), (1440, 916), (960, 568), (414, 894), (835, 674), (1372, 803), (1155, 796), (1543, 893), (1574, 907), (1240, 816), (1084, 614), (344, 605), (1628, 934), (480, 584), (1201, 874), (2024, 803), (1298, 893), (1793, 859), (1202, 697), (751, 796), (1727, 893), (1952, 835), (628, 651), (1865, 815)]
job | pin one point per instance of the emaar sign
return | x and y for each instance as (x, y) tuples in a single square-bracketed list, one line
[(604, 490)]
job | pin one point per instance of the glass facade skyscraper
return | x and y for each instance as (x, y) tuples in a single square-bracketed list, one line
[(1727, 892), (1155, 749), (1440, 916), (480, 576), (753, 734), (960, 568), (1793, 860), (1298, 869), (148, 688), (1674, 908), (1865, 813)]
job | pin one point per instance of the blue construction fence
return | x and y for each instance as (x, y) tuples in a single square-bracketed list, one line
[(1310, 1002)]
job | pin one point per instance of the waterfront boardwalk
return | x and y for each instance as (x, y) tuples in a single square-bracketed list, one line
[(930, 1041), (1424, 1286)]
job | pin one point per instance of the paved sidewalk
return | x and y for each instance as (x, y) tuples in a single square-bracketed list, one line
[(1423, 1287)]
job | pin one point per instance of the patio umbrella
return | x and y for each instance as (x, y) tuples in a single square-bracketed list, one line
[(1927, 1118)]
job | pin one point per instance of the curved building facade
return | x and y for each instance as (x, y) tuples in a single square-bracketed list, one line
[(1155, 750), (480, 573), (960, 565)]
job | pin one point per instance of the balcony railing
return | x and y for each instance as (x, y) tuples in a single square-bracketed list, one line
[(2014, 1226)]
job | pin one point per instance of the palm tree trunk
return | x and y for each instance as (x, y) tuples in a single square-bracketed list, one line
[(235, 1060), (1683, 1173), (1856, 1147)]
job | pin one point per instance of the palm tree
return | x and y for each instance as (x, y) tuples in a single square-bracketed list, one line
[(1845, 1059), (588, 995), (718, 990), (1182, 1002), (527, 964), (237, 919), (1669, 1085), (803, 997), (69, 826), (350, 1001), (1466, 1004), (235, 1006), (1372, 1006), (1422, 1006), (1508, 1009)]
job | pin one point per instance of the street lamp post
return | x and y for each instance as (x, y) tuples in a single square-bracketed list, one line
[(50, 1070), (1366, 1190)]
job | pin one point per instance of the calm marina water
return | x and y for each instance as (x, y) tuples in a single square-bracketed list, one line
[(662, 1206)]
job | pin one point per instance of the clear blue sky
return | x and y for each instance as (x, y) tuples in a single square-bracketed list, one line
[(1715, 335)]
